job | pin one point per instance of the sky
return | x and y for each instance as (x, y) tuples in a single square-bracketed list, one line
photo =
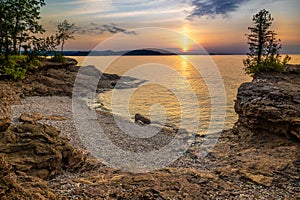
[(219, 26)]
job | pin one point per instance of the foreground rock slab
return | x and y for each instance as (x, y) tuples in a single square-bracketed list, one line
[(38, 150)]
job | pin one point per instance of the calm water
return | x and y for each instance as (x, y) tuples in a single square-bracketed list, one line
[(170, 83)]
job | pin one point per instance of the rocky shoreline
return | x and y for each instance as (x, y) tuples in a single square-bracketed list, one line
[(41, 156)]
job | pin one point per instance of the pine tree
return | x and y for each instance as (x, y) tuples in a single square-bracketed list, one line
[(263, 46)]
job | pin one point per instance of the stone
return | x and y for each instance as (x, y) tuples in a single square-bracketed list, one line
[(31, 117), (260, 179), (56, 118), (138, 118)]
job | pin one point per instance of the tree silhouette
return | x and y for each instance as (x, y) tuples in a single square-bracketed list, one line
[(263, 46), (65, 31), (19, 27), (18, 21)]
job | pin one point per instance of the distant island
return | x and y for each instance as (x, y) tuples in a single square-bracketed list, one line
[(146, 52), (137, 52)]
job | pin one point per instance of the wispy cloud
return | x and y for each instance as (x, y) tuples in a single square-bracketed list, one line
[(213, 8), (81, 7), (94, 28), (144, 13)]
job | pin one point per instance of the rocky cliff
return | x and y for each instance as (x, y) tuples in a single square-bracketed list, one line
[(271, 102)]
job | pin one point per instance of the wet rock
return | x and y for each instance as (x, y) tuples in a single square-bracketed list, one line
[(138, 118), (56, 79), (67, 62), (91, 70)]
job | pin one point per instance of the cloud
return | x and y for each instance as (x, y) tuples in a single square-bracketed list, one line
[(112, 28), (94, 28), (212, 8), (79, 7)]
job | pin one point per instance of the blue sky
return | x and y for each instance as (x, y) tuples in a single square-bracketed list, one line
[(219, 26)]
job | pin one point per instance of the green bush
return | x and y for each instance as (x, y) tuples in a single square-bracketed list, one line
[(58, 57), (17, 66), (268, 64), (15, 72)]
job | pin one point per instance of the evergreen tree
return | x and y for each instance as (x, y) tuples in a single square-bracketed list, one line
[(263, 46)]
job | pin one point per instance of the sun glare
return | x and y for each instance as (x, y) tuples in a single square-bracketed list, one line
[(185, 39)]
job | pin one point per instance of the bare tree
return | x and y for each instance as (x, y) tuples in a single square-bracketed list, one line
[(65, 31)]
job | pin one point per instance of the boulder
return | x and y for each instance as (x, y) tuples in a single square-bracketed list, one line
[(138, 118), (271, 102)]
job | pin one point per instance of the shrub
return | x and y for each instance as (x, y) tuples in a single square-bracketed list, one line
[(252, 66), (58, 57), (17, 66)]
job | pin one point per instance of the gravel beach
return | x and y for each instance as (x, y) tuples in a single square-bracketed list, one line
[(219, 169)]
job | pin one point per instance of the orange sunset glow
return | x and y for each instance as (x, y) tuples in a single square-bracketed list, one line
[(185, 40), (218, 31)]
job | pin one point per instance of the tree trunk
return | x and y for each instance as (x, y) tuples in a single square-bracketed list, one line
[(6, 49), (260, 41), (62, 47), (15, 36), (1, 40)]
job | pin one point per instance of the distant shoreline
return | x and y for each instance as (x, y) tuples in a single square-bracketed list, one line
[(146, 53), (70, 53)]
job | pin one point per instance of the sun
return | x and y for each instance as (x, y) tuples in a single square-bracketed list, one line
[(184, 49), (185, 39)]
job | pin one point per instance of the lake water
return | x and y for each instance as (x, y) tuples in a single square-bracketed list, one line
[(175, 88)]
